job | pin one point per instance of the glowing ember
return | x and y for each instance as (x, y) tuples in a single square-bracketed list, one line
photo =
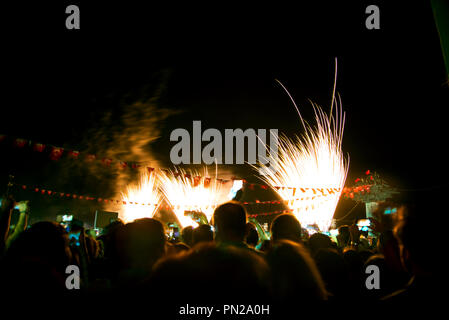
[(142, 199), (313, 167), (193, 192)]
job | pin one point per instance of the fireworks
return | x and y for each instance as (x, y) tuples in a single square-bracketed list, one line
[(146, 194), (191, 192), (312, 162)]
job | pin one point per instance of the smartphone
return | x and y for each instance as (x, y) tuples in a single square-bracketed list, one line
[(311, 229), (67, 218), (363, 224), (390, 210), (74, 239), (176, 233)]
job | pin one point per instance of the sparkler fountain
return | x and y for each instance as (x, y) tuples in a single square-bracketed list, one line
[(310, 172), (146, 194), (192, 192)]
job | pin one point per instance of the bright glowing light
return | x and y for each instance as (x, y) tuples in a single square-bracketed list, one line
[(147, 196), (195, 193), (236, 186), (313, 167)]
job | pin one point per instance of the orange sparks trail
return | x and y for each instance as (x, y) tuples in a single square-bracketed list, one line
[(145, 191)]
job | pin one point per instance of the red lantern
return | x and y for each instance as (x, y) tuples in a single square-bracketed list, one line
[(39, 147), (20, 143), (73, 154), (56, 153)]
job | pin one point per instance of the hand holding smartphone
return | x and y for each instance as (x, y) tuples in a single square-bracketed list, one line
[(22, 206), (74, 239)]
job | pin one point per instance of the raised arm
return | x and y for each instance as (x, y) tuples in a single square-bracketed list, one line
[(5, 218), (21, 225)]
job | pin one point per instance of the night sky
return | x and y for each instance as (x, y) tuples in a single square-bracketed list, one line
[(218, 64)]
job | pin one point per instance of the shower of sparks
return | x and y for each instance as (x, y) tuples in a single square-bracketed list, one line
[(312, 167), (147, 196), (194, 192)]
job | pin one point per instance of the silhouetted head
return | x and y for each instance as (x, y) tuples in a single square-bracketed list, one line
[(252, 237), (344, 236), (187, 235), (230, 222), (112, 227), (45, 241), (203, 233), (286, 227), (295, 276), (141, 243), (212, 274), (37, 259), (420, 253), (319, 241), (334, 272)]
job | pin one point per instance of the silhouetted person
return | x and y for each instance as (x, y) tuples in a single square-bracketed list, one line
[(36, 261), (140, 244), (421, 255), (203, 233), (388, 280), (295, 276), (213, 274), (335, 274), (230, 224), (355, 268), (318, 241), (252, 236), (344, 236), (187, 235), (286, 227), (107, 267)]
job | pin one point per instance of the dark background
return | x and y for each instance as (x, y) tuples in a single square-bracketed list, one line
[(217, 64)]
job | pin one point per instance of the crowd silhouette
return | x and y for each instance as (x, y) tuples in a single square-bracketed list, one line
[(227, 260)]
